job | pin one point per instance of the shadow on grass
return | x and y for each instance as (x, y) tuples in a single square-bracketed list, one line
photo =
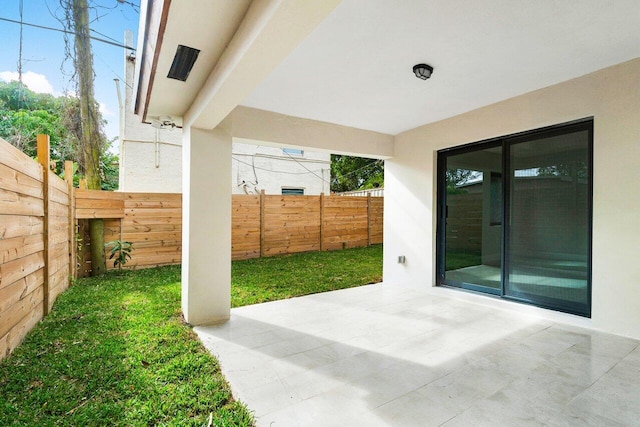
[(114, 351)]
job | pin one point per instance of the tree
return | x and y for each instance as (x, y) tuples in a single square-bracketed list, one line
[(350, 173), (91, 140), (457, 177), (24, 114)]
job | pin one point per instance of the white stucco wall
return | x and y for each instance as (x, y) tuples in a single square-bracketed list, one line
[(612, 97), (150, 158), (257, 167)]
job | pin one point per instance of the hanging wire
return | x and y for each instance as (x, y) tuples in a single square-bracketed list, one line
[(20, 89), (310, 171), (44, 27), (270, 170)]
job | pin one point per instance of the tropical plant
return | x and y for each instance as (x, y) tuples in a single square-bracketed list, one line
[(120, 252)]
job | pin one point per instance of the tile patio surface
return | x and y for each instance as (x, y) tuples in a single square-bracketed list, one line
[(383, 355)]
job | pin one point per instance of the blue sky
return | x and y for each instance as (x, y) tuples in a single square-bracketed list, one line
[(43, 50)]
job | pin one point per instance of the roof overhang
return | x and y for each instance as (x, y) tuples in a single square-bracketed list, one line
[(350, 62), (240, 43)]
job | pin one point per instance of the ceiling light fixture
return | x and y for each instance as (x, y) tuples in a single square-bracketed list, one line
[(422, 71)]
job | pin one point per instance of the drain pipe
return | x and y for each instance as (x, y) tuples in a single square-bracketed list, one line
[(157, 148), (120, 135)]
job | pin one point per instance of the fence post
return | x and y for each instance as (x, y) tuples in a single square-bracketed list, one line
[(44, 159), (369, 219), (321, 221), (262, 223), (68, 177)]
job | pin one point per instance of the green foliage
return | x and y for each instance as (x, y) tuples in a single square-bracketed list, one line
[(121, 251), (455, 260), (457, 177), (272, 278), (355, 173), (115, 351), (24, 114), (579, 170)]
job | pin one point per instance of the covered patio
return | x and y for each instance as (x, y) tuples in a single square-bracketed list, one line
[(382, 355), (336, 76)]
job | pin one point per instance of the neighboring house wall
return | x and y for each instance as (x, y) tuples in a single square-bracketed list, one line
[(150, 158), (257, 167), (610, 96)]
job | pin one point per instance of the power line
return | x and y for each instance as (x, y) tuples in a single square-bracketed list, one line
[(112, 71), (98, 39), (377, 162), (271, 170), (317, 176)]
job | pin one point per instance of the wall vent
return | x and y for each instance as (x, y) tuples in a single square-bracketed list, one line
[(183, 62)]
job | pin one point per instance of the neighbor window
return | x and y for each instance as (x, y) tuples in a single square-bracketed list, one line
[(514, 217), (293, 191), (293, 152)]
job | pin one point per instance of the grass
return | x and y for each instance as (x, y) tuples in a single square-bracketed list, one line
[(115, 351), (267, 279), (456, 260)]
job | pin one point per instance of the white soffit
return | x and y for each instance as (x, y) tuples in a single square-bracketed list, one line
[(355, 69), (207, 25)]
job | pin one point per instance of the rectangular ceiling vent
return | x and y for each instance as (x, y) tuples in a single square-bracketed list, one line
[(183, 62)]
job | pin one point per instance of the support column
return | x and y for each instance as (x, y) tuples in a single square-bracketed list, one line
[(206, 225)]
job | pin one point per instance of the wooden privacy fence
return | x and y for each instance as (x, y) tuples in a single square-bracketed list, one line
[(262, 225), (464, 222), (35, 235), (39, 213), (152, 221), (265, 225)]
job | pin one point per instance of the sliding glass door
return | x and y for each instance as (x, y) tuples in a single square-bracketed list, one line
[(472, 200), (515, 217)]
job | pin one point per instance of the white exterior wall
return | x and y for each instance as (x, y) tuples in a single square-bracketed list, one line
[(150, 158), (258, 167), (611, 97)]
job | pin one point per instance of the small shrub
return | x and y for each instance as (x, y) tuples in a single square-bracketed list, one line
[(120, 252)]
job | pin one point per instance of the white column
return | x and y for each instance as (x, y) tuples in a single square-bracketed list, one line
[(206, 225)]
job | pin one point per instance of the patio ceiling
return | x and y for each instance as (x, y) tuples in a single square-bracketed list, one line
[(353, 65)]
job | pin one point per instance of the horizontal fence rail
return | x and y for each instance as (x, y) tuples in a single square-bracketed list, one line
[(44, 238), (35, 231), (261, 225), (265, 225)]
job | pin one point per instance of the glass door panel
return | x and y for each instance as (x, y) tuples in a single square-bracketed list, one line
[(472, 191), (547, 243)]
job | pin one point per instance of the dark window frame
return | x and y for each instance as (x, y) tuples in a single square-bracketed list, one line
[(506, 141), (290, 191)]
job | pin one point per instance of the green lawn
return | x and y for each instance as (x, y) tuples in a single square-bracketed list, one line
[(114, 350), (267, 279), (456, 260)]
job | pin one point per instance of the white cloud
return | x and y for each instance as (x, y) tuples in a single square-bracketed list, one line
[(34, 81), (104, 109)]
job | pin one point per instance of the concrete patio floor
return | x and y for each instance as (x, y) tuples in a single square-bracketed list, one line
[(385, 355)]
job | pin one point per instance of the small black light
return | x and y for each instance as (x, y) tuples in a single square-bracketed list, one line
[(183, 62), (422, 71)]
